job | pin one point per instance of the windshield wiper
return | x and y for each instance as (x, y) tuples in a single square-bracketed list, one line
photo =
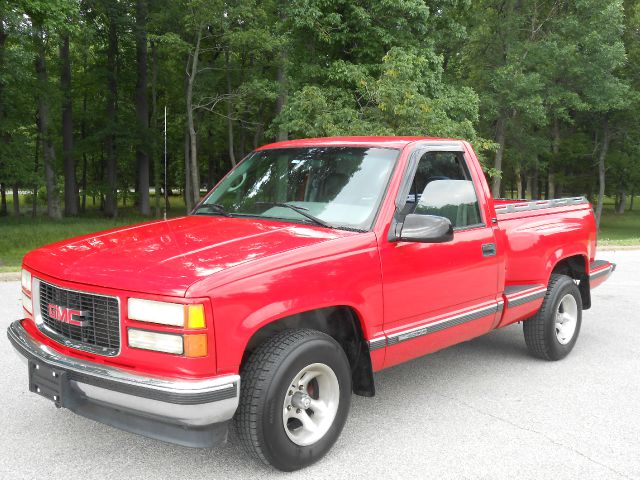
[(213, 206), (301, 210)]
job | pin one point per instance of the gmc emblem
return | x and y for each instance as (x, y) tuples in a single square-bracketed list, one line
[(77, 318)]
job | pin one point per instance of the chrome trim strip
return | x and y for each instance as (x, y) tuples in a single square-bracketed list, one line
[(599, 273), (439, 325), (539, 205), (377, 343), (67, 342), (439, 145), (516, 301), (500, 305)]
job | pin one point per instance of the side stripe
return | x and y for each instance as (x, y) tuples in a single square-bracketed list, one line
[(433, 327), (526, 298)]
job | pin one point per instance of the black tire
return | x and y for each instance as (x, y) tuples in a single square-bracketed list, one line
[(540, 330), (266, 380)]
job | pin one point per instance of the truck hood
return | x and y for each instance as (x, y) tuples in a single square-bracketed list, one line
[(166, 257)]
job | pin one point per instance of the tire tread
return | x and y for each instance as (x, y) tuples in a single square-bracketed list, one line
[(257, 374), (534, 327)]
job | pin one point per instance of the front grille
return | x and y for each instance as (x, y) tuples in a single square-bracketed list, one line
[(102, 332)]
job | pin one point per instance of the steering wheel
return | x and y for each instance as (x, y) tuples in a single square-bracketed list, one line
[(233, 188)]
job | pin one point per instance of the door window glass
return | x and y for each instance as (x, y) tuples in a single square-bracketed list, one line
[(442, 186)]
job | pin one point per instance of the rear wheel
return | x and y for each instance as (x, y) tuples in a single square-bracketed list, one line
[(553, 331), (295, 397)]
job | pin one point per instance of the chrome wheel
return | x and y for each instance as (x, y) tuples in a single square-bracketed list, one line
[(566, 319), (311, 403)]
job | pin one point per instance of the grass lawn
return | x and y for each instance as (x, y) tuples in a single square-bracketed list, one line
[(619, 229), (19, 235)]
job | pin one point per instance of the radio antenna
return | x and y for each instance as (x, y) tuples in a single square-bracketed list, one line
[(166, 198)]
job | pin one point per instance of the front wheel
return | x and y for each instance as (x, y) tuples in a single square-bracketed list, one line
[(295, 397), (552, 332)]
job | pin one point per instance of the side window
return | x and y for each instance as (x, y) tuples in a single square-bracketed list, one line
[(442, 186)]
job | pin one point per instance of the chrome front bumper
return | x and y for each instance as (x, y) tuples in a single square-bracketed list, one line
[(188, 412)]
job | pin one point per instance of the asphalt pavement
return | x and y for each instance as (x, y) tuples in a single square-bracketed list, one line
[(482, 409)]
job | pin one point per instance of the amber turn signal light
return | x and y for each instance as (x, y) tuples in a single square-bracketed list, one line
[(194, 316), (195, 345)]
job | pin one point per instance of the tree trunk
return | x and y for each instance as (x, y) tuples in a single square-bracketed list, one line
[(16, 200), (70, 181), (232, 155), (631, 203), (3, 200), (83, 135), (157, 169), (36, 166), (551, 187), (188, 195), (518, 182), (622, 202), (501, 129), (211, 162), (100, 168), (535, 188), (49, 153), (191, 177), (242, 136), (259, 129), (111, 200), (4, 135), (528, 188), (281, 101), (555, 149), (601, 168), (142, 108)]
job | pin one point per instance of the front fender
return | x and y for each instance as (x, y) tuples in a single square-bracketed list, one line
[(343, 272)]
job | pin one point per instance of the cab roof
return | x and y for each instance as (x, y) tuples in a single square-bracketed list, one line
[(380, 142)]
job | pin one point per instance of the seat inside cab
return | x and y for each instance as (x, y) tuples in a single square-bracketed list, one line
[(442, 186)]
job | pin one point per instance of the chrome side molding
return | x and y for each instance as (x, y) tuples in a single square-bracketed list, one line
[(433, 327)]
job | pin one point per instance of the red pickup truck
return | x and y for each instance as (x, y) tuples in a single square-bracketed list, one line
[(310, 266)]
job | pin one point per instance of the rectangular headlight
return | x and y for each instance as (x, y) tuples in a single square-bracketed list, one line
[(160, 342), (26, 303), (167, 313), (164, 313), (25, 279)]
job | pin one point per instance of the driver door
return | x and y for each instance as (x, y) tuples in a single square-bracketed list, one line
[(439, 294)]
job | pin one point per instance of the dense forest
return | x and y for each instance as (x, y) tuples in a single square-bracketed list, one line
[(546, 90)]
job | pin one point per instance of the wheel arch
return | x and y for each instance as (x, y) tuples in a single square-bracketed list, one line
[(576, 267), (341, 322)]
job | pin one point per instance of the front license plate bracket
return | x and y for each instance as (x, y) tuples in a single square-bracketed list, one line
[(48, 382)]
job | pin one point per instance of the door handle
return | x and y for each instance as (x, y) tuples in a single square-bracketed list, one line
[(488, 249)]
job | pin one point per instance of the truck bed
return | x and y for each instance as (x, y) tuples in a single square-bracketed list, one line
[(535, 236)]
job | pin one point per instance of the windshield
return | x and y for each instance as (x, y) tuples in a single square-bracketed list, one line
[(339, 187)]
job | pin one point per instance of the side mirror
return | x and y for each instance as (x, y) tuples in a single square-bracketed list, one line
[(426, 229)]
